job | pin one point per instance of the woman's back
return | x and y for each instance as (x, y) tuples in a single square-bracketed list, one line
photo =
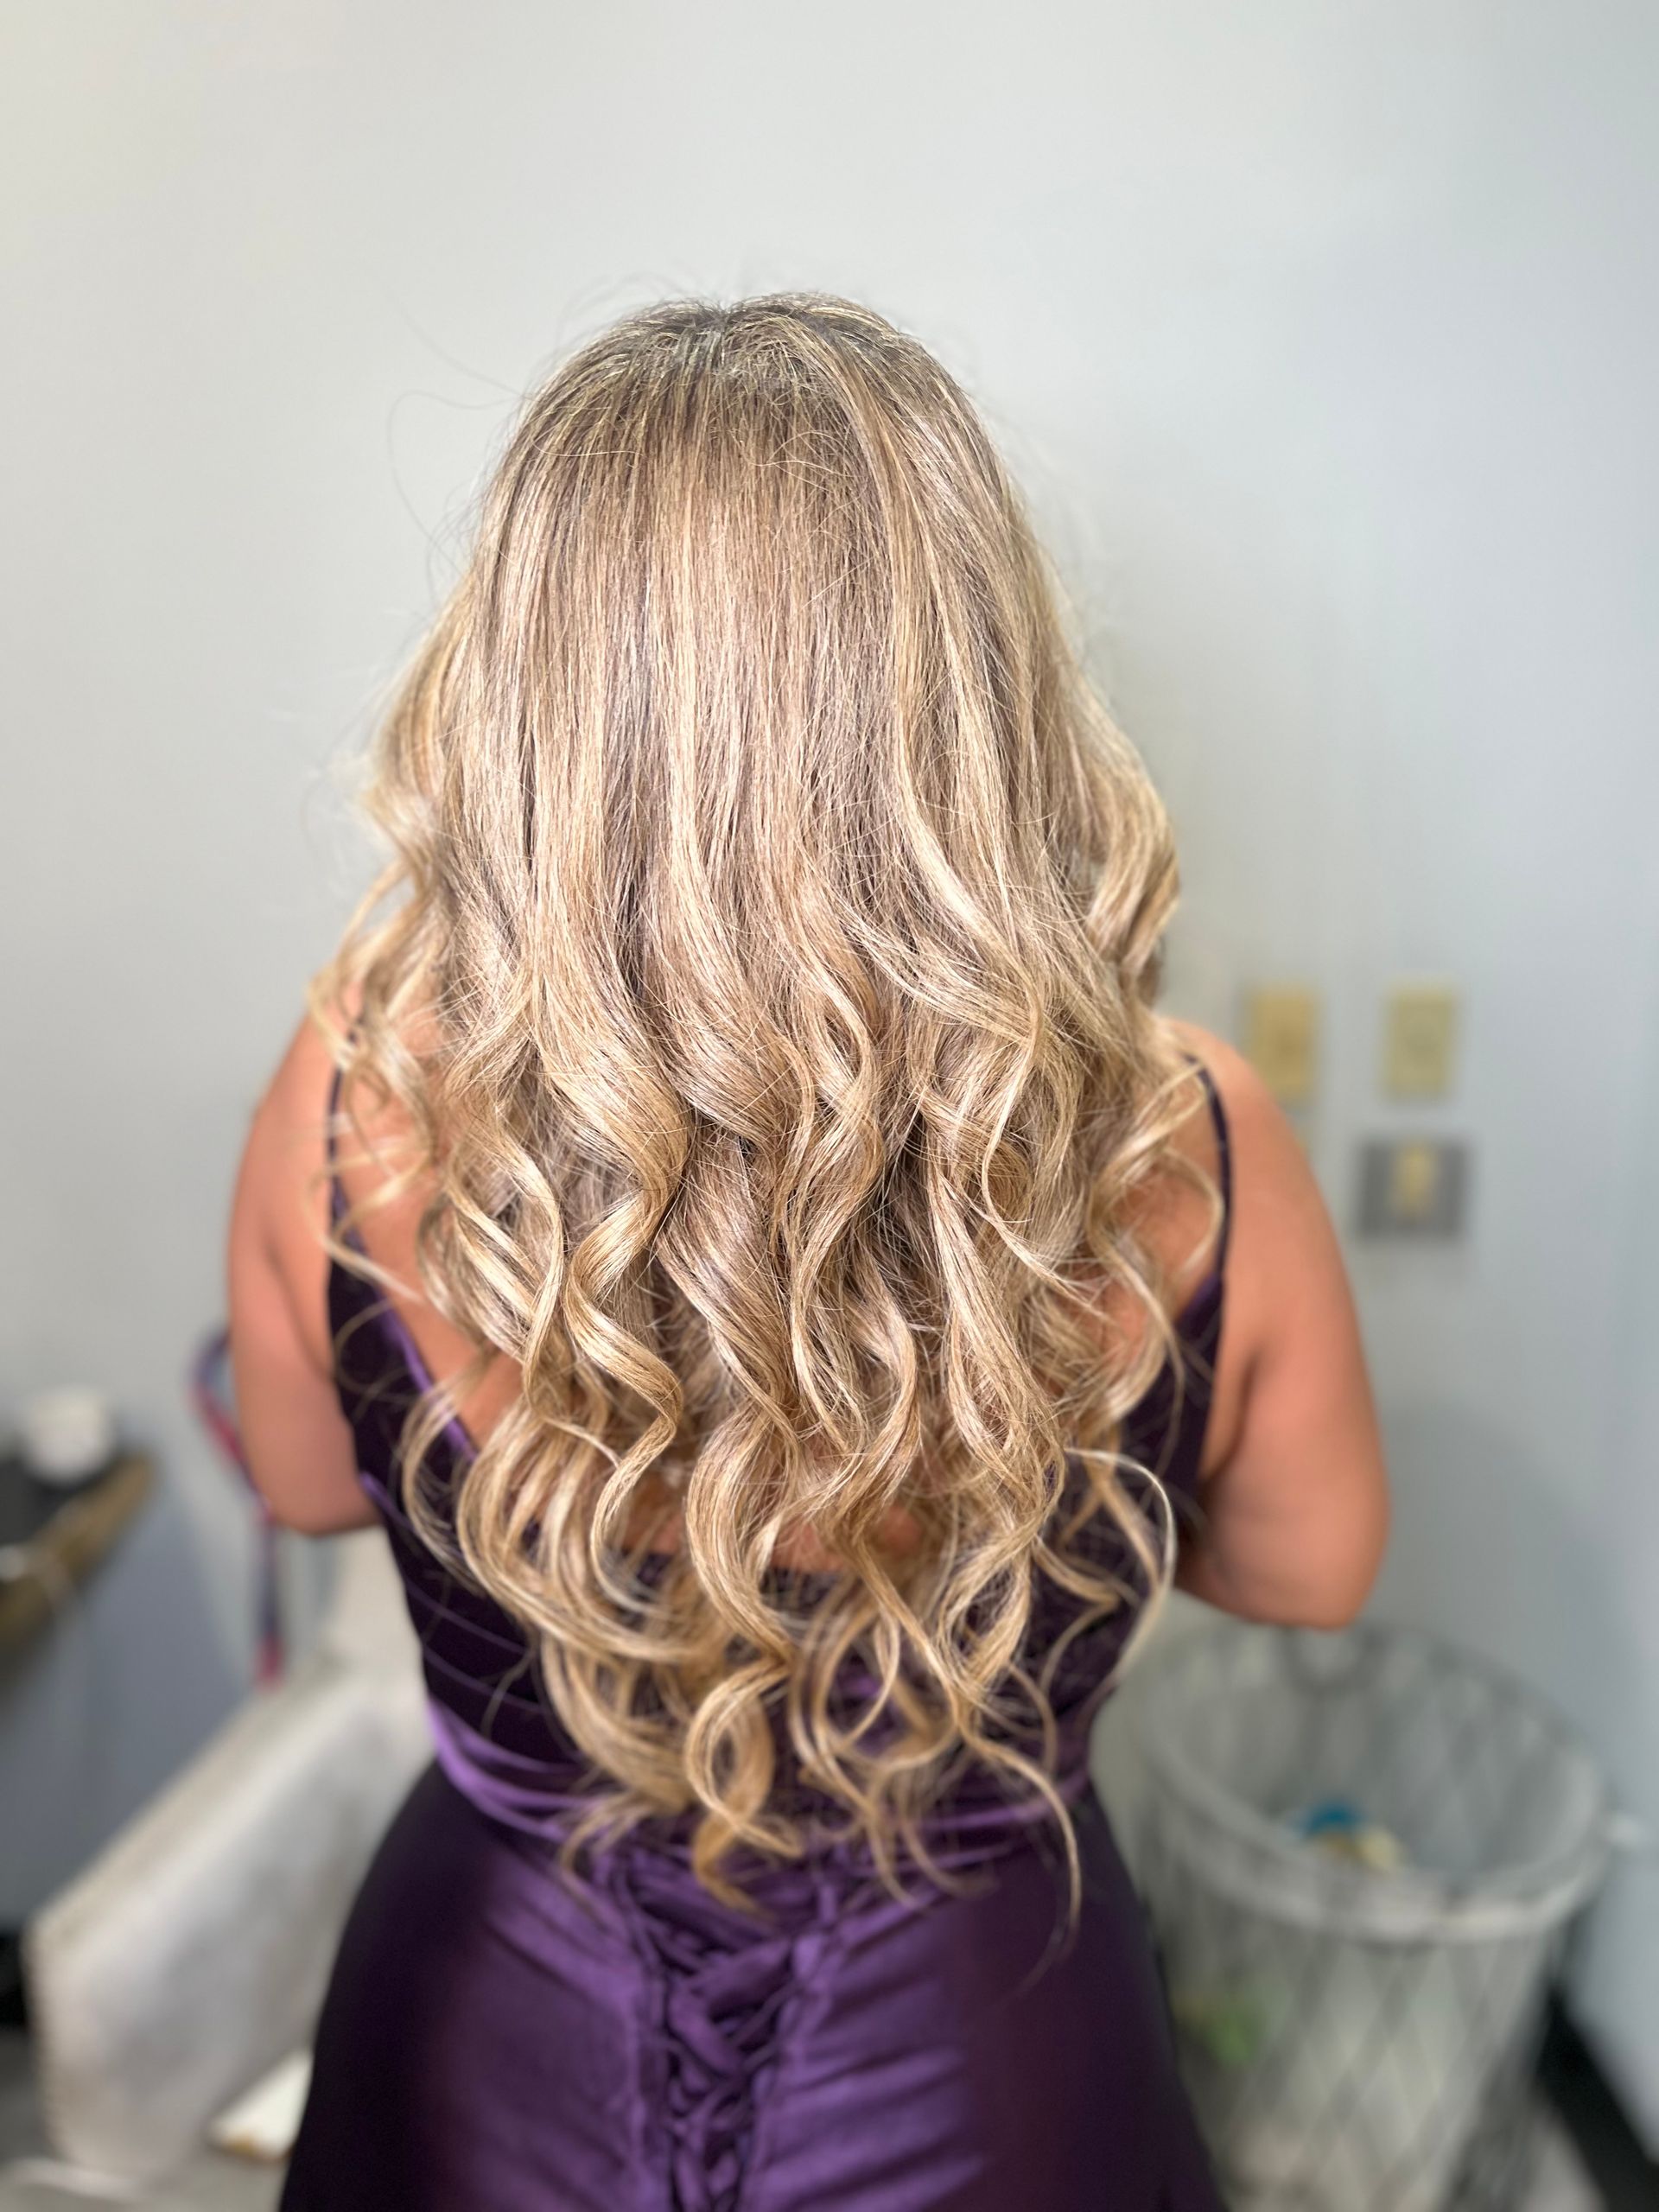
[(766, 1270), (624, 2039)]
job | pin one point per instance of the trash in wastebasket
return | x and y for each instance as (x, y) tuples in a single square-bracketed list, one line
[(1344, 1830)]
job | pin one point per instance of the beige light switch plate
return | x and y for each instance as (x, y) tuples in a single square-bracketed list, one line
[(1419, 1040), (1281, 1040)]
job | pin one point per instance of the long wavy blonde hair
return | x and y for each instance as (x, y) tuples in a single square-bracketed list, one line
[(769, 1000)]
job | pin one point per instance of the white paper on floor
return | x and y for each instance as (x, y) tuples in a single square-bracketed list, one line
[(264, 2121)]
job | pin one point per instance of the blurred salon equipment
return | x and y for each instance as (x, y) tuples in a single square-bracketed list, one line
[(190, 1957), (55, 1531), (1363, 1854)]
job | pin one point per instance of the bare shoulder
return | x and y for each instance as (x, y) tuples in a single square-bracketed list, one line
[(295, 1099), (1276, 1194), (1253, 1115), (1298, 1497), (1288, 1302), (289, 1137), (282, 1200), (299, 1445)]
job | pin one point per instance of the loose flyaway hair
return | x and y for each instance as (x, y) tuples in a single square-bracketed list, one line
[(764, 972)]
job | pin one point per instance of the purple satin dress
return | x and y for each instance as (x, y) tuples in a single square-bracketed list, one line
[(501, 2036)]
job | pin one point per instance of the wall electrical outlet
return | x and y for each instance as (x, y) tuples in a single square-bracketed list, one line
[(1414, 1187), (1281, 1040)]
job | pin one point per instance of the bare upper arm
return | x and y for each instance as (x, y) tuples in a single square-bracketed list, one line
[(1296, 1495), (299, 1447)]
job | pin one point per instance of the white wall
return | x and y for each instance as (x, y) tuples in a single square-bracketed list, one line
[(1324, 337)]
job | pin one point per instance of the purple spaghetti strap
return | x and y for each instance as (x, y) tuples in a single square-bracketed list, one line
[(1224, 1157), (331, 1153)]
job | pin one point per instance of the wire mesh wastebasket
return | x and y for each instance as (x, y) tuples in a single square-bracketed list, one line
[(1362, 1853)]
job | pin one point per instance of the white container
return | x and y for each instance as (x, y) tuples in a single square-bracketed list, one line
[(1358, 2040), (65, 1435)]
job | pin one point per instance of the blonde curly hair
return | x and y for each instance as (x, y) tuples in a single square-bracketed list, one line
[(770, 1001)]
